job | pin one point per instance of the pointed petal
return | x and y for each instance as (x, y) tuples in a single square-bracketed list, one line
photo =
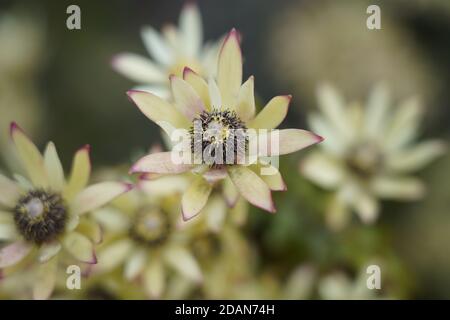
[(183, 262), (377, 115), (404, 125), (138, 68), (48, 251), (9, 192), (199, 84), (191, 28), (230, 192), (215, 212), (135, 265), (97, 195), (239, 213), (80, 173), (323, 170), (252, 187), (80, 247), (270, 175), (158, 110), (273, 113), (366, 206), (159, 163), (160, 90), (229, 72), (334, 142), (279, 142), (337, 214), (398, 188), (45, 280), (113, 255), (333, 107), (90, 229), (186, 99), (214, 95), (154, 278), (245, 106), (29, 156), (13, 253), (54, 167), (112, 219), (195, 197), (157, 46), (415, 157)]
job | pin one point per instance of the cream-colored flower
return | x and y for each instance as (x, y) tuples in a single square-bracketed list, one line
[(42, 215), (145, 243), (225, 108), (369, 153), (171, 51)]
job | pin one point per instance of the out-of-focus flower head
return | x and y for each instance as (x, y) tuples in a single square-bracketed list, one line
[(142, 238), (171, 51), (210, 117), (43, 216), (369, 153)]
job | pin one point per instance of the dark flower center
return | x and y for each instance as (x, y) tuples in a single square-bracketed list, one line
[(40, 216), (365, 160), (150, 227), (218, 138)]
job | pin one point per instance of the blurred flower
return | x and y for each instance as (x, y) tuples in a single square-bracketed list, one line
[(144, 241), (369, 153), (211, 116), (43, 214), (172, 52)]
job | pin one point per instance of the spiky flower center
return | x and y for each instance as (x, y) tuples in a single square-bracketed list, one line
[(40, 216), (218, 137), (150, 227)]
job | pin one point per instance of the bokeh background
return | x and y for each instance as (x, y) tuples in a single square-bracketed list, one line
[(59, 85)]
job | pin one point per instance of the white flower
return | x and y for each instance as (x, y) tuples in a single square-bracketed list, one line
[(171, 51), (368, 153)]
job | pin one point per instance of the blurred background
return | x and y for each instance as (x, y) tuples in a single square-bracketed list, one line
[(58, 84)]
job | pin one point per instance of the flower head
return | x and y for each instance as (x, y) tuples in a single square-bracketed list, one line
[(369, 153), (223, 142), (43, 215), (171, 52), (143, 239)]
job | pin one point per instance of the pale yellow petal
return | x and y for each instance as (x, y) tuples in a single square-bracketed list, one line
[(323, 170), (113, 255), (45, 280), (245, 106), (272, 115), (199, 84), (54, 167), (80, 173), (195, 197), (398, 188), (183, 262), (97, 195), (186, 99), (252, 187), (30, 157), (229, 72), (158, 110), (80, 247), (154, 278)]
